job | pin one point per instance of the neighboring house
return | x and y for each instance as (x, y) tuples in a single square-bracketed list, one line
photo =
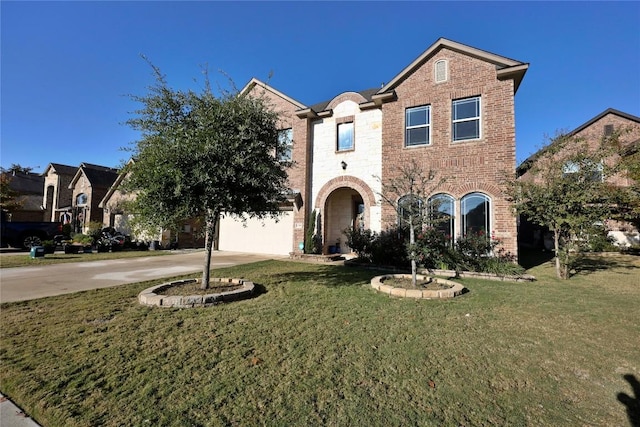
[(89, 185), (452, 109), (28, 188), (115, 215), (58, 197), (593, 131)]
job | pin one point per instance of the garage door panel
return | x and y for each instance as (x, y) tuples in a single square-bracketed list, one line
[(257, 236)]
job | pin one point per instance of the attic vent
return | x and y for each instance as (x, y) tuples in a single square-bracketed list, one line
[(441, 71), (608, 130)]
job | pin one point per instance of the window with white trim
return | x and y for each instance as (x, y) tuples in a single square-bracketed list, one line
[(345, 136), (476, 214), (465, 118), (418, 126), (285, 139), (441, 212)]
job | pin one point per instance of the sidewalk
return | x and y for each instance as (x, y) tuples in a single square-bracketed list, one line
[(12, 416)]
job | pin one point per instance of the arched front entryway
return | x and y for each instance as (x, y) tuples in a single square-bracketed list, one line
[(342, 203), (344, 208)]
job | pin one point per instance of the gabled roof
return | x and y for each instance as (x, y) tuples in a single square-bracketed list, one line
[(601, 115), (61, 169), (98, 176), (116, 184), (507, 68), (255, 82), (526, 165)]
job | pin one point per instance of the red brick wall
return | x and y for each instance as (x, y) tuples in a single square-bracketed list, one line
[(298, 173), (468, 166)]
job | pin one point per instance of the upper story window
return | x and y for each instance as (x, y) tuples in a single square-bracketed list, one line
[(285, 138), (465, 118), (418, 126), (81, 199), (441, 71), (345, 136), (585, 171)]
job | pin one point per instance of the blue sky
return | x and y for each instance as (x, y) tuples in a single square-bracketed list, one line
[(67, 67)]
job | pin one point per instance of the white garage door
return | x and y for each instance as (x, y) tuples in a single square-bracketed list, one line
[(258, 236)]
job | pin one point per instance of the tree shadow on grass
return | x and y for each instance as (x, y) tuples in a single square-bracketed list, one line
[(529, 258), (632, 403), (588, 264)]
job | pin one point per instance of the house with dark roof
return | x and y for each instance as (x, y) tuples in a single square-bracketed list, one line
[(88, 187), (593, 132), (28, 188), (452, 109), (57, 195)]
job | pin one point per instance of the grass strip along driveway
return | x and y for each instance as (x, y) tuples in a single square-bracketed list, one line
[(318, 346), (23, 259)]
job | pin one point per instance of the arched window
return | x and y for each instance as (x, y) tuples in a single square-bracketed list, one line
[(409, 209), (81, 199), (476, 214), (442, 213)]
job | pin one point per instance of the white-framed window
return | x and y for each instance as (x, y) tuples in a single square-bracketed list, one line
[(417, 126), (442, 213), (285, 138), (594, 171), (345, 136), (465, 118), (476, 214), (441, 71)]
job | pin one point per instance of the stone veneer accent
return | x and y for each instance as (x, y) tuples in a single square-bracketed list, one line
[(153, 295), (456, 289)]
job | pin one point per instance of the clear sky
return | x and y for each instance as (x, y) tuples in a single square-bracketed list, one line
[(67, 67)]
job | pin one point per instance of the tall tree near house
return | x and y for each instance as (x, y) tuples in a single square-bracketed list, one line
[(9, 199), (201, 155), (408, 194), (566, 192), (17, 168)]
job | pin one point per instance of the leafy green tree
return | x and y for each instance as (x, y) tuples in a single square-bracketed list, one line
[(407, 193), (9, 198), (202, 155), (566, 191)]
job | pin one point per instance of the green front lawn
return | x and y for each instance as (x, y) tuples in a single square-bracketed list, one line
[(318, 346)]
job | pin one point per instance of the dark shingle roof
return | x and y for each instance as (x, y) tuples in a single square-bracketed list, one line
[(99, 176), (26, 183), (64, 169), (321, 106)]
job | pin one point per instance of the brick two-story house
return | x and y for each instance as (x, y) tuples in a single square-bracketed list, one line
[(88, 187), (592, 132), (452, 109)]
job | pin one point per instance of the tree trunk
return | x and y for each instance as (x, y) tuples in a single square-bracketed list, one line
[(210, 228), (556, 248)]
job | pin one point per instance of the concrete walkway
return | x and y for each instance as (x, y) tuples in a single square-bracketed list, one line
[(12, 416)]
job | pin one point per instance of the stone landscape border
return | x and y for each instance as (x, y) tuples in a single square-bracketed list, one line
[(153, 296), (456, 289)]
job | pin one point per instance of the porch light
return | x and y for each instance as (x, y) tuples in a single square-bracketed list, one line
[(343, 164)]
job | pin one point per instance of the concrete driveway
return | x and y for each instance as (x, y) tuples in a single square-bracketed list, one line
[(25, 283)]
